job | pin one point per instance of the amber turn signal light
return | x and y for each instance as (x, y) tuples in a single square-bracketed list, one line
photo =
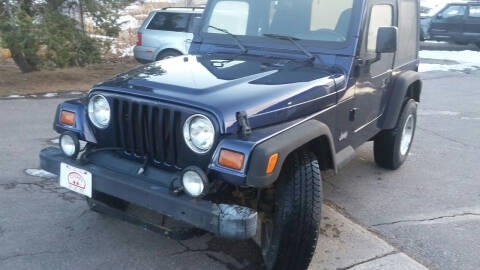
[(231, 159), (67, 118), (272, 163)]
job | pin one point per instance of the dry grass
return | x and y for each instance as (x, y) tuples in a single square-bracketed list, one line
[(5, 53), (12, 81)]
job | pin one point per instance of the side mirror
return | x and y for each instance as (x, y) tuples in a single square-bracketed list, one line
[(387, 40), (439, 16)]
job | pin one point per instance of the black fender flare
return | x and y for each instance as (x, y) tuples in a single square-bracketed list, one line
[(398, 92), (284, 144)]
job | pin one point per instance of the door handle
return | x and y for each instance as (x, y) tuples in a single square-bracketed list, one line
[(352, 114)]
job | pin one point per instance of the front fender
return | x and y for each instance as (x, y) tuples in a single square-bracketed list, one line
[(284, 144), (81, 128)]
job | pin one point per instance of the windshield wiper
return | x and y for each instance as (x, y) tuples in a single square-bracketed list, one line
[(294, 40), (232, 36)]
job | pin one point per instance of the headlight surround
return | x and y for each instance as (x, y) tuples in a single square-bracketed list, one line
[(99, 111), (199, 133)]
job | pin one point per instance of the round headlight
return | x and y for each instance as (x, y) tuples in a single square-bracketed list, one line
[(99, 111), (199, 133), (69, 144)]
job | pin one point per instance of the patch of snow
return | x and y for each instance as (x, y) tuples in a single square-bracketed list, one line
[(435, 42), (75, 93), (470, 118), (55, 141), (101, 37), (133, 7), (434, 112), (123, 52), (48, 95), (128, 22), (457, 67), (439, 67), (40, 173), (458, 56), (466, 60), (15, 96)]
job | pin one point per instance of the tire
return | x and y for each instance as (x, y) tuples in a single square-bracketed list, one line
[(388, 150), (108, 200), (167, 54), (297, 214), (478, 44)]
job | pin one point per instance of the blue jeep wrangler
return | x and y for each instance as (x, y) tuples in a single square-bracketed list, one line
[(235, 138)]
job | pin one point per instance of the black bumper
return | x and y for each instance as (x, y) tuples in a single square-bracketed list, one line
[(115, 176)]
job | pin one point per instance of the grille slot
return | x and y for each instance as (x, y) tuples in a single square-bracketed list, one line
[(147, 129)]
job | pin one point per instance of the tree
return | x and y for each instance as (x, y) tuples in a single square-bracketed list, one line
[(18, 33), (56, 27)]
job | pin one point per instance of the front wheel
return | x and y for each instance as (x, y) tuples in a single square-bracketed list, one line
[(391, 147), (478, 44), (289, 236)]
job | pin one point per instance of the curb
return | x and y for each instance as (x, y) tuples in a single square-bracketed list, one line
[(344, 245)]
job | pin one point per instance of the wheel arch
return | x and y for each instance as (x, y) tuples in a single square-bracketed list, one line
[(312, 135), (167, 50), (406, 85)]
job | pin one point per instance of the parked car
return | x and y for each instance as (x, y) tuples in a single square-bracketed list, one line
[(458, 23), (236, 137), (426, 15), (165, 33)]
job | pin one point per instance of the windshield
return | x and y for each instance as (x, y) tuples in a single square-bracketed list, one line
[(313, 20)]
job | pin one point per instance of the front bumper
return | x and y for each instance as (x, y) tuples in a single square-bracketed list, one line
[(115, 176)]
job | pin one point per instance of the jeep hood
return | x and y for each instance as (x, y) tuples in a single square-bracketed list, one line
[(268, 90)]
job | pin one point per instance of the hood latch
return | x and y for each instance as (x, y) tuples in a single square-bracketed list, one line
[(244, 124)]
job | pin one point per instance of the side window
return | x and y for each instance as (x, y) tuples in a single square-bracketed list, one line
[(381, 16), (231, 16), (454, 11), (176, 22), (474, 12)]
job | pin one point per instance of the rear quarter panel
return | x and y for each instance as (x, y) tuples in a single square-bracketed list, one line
[(162, 40)]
